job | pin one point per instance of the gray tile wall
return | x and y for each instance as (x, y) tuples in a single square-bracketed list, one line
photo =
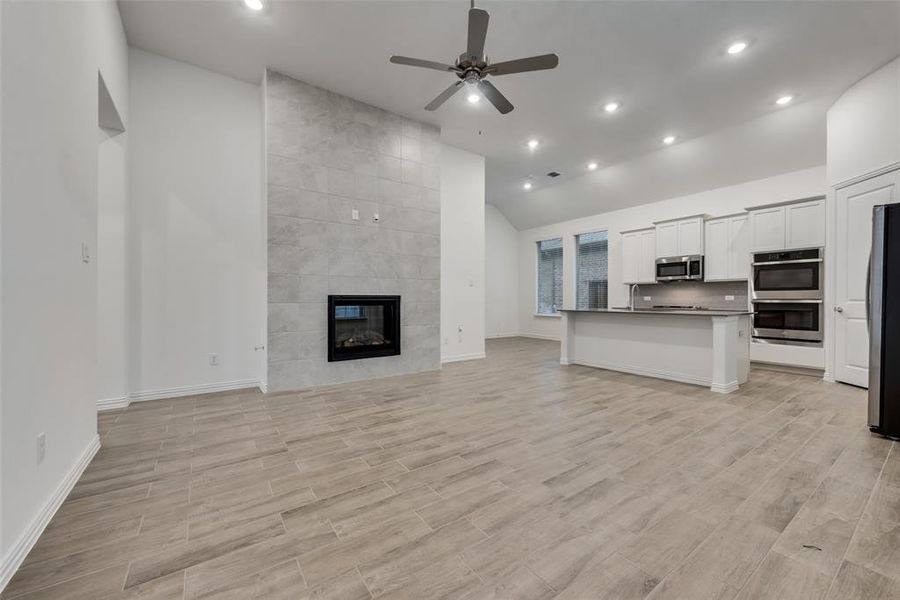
[(326, 156), (709, 294)]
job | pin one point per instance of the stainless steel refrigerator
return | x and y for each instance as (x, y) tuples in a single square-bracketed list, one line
[(884, 322)]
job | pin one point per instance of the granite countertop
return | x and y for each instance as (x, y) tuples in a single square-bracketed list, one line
[(659, 311)]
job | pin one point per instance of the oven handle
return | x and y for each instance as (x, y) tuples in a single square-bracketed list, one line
[(788, 262), (787, 301)]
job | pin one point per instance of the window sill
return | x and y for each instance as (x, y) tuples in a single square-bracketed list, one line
[(550, 315)]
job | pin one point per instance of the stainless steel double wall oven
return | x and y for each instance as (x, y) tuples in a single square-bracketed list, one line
[(788, 293)]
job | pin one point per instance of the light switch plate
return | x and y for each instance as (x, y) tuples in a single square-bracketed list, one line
[(648, 298), (354, 214), (729, 297)]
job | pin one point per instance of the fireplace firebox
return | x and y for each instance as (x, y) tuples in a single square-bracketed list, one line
[(363, 327)]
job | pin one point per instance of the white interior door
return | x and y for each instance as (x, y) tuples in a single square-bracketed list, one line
[(854, 243)]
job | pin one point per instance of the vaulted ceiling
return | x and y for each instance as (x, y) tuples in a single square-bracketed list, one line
[(664, 62)]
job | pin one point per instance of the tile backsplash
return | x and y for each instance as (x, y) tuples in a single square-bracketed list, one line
[(712, 294)]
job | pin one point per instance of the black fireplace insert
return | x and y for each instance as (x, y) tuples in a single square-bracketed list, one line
[(363, 327)]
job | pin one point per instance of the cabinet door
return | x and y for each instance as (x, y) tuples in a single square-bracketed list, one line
[(767, 229), (667, 240), (805, 224), (631, 256), (739, 248), (717, 250), (647, 268), (690, 237)]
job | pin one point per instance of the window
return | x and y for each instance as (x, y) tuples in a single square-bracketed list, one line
[(591, 270), (549, 276)]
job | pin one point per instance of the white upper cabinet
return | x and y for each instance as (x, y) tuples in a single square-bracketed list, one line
[(767, 229), (647, 269), (638, 256), (679, 238), (727, 249), (739, 250), (788, 226), (666, 239), (805, 224), (716, 259), (690, 236)]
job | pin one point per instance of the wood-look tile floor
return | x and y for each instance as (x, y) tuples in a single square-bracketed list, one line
[(511, 477)]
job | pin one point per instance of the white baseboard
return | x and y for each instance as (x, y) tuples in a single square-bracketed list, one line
[(637, 370), (724, 389), (22, 546), (538, 336), (113, 403), (462, 357), (176, 392), (498, 336)]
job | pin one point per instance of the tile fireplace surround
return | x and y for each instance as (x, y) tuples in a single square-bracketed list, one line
[(328, 155)]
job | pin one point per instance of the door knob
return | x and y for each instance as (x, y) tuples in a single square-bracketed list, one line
[(839, 309)]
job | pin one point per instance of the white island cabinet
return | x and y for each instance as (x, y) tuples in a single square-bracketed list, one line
[(704, 347)]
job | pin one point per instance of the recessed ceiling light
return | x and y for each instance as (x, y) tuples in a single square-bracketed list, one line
[(527, 186), (784, 100), (253, 4), (473, 98), (669, 140), (737, 47), (532, 144), (611, 107), (592, 166)]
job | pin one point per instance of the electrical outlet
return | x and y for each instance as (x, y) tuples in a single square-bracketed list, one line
[(729, 298), (41, 447), (648, 298), (354, 214), (214, 360)]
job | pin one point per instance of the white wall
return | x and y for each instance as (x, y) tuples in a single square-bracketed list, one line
[(789, 186), (864, 126), (462, 255), (111, 256), (501, 275), (49, 208), (198, 272), (863, 137)]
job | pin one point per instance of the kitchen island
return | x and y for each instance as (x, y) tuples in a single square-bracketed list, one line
[(702, 347)]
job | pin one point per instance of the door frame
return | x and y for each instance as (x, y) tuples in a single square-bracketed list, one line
[(831, 218)]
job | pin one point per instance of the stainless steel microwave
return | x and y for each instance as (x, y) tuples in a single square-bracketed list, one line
[(680, 268), (788, 275)]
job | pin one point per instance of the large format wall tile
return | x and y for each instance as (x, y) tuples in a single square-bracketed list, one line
[(327, 156)]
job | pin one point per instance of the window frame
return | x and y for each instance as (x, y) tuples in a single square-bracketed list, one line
[(537, 279), (575, 243)]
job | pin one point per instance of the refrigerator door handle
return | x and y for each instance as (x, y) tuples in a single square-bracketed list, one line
[(874, 314), (869, 296)]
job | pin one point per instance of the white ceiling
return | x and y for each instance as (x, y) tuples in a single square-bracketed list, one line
[(664, 61)]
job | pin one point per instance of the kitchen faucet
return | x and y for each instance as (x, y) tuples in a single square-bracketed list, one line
[(634, 286)]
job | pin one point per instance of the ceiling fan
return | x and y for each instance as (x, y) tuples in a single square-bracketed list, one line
[(473, 66)]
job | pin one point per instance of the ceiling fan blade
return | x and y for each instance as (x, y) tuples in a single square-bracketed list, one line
[(444, 96), (478, 25), (426, 64), (521, 65), (495, 97)]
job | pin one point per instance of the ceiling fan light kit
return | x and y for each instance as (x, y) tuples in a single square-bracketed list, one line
[(472, 66)]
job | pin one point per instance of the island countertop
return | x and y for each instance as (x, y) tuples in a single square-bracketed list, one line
[(660, 311), (669, 344)]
